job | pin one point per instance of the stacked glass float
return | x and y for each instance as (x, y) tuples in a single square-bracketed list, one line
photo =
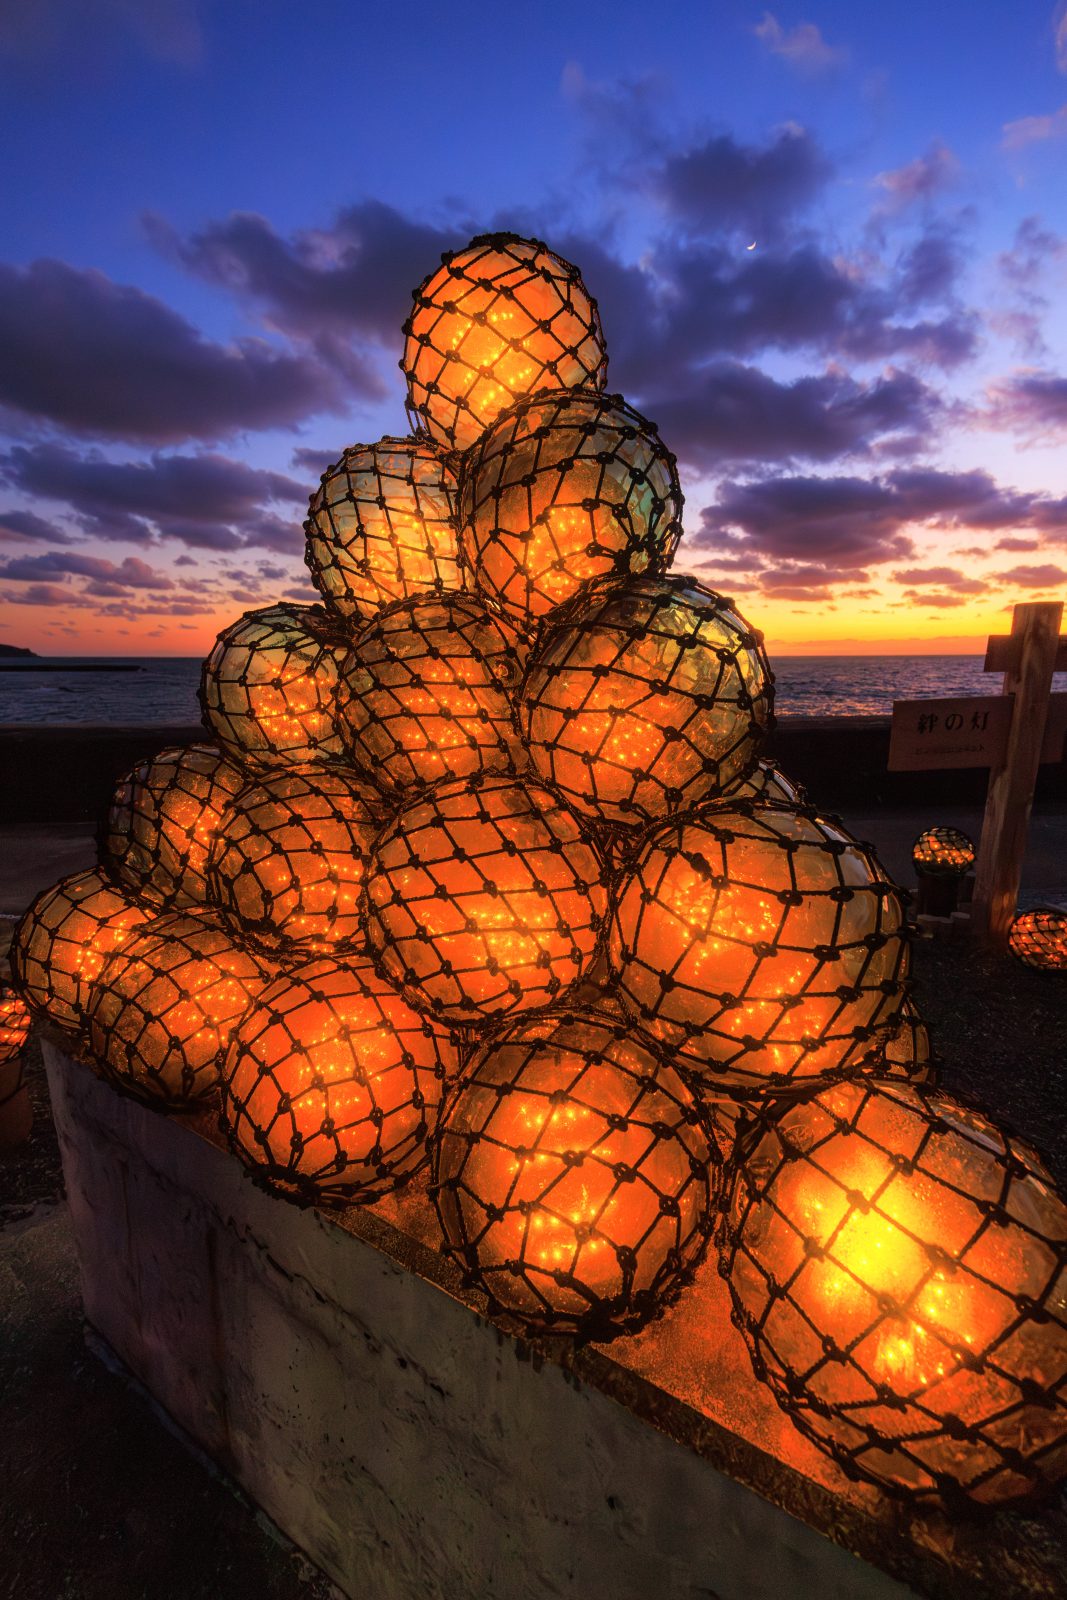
[(481, 882)]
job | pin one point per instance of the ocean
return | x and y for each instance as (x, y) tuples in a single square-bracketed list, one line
[(163, 690)]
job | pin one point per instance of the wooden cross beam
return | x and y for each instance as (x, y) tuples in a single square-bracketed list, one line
[(1028, 657)]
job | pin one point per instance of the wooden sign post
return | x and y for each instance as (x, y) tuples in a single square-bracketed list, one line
[(1011, 734), (1028, 664)]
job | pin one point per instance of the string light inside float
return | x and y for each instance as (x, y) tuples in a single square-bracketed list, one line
[(761, 945), (898, 1266), (565, 487), (485, 897), (644, 698), (332, 1083), (494, 323), (574, 1176), (382, 527)]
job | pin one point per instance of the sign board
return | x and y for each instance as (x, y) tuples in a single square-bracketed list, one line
[(971, 731)]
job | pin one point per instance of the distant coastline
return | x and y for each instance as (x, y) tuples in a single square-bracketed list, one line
[(16, 650)]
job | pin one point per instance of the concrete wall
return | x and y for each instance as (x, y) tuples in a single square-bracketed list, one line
[(398, 1439)]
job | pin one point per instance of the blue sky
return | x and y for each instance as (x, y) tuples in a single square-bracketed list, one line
[(218, 212)]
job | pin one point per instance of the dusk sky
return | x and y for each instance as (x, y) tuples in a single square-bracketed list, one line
[(829, 246)]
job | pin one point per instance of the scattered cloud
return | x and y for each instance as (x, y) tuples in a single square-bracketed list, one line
[(1035, 130), (723, 184), (208, 501), (919, 181), (132, 573), (1019, 545), (1031, 402), (727, 414), (941, 578), (847, 523), (1059, 35), (16, 527), (105, 360), (1039, 577), (802, 47), (327, 286), (167, 30)]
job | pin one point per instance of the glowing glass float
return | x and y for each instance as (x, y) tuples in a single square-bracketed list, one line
[(332, 1083), (484, 897), (163, 1006), (15, 1021), (765, 782), (574, 1177), (764, 947), (269, 684), (494, 323), (566, 486), (943, 852), (646, 697), (289, 858), (427, 692), (1039, 938), (383, 526), (163, 820), (899, 1268), (907, 1051), (64, 938)]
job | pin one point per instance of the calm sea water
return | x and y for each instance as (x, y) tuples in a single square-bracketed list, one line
[(164, 690)]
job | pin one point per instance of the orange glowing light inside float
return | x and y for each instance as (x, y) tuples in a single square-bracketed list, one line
[(1039, 938), (943, 852), (333, 1082), (15, 1020), (163, 820), (163, 1007), (901, 1273), (269, 684), (64, 938), (485, 897), (290, 856), (496, 322), (382, 526), (573, 1175), (763, 944), (566, 487), (427, 693), (645, 698)]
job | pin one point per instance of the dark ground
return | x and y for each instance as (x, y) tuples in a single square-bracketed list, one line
[(98, 1500)]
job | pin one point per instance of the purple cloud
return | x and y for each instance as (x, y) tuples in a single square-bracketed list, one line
[(728, 414), (918, 181), (354, 277), (1034, 403), (851, 522), (1039, 577), (1035, 130), (132, 573), (106, 360), (207, 501), (802, 46), (723, 184), (17, 526)]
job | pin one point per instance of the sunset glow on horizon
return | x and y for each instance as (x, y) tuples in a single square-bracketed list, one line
[(829, 250)]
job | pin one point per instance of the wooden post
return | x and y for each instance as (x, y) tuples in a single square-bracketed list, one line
[(1035, 633)]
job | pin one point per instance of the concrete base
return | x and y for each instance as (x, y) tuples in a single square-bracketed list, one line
[(330, 1364)]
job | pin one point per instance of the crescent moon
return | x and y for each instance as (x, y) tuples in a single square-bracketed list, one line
[(751, 246)]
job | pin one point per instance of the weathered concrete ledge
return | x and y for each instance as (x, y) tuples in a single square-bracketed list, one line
[(333, 1365)]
